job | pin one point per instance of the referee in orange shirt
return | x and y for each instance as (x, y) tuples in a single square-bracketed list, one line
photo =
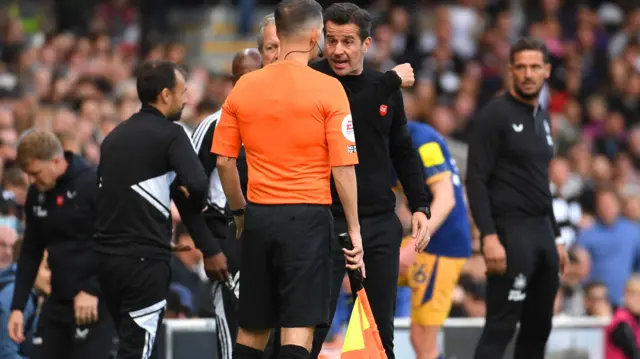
[(296, 127)]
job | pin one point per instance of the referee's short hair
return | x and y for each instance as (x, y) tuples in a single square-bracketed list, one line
[(38, 144), (529, 44), (155, 76), (294, 16), (344, 13)]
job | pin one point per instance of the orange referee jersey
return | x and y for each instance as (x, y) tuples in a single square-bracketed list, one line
[(295, 124)]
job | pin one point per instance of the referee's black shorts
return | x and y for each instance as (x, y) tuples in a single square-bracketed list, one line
[(286, 266)]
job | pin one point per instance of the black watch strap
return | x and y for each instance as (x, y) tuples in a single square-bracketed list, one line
[(238, 212), (425, 210)]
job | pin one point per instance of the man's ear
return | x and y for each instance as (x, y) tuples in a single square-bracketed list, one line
[(367, 43), (165, 96), (315, 37)]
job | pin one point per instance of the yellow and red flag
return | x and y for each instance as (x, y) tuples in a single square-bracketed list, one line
[(362, 340)]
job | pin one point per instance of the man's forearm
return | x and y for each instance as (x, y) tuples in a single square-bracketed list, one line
[(480, 204), (230, 181), (444, 201), (346, 185)]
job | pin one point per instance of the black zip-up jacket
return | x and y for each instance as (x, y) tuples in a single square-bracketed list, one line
[(508, 164), (383, 143), (139, 161), (61, 220)]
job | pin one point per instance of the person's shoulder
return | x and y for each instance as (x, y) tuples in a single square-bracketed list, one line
[(630, 225), (324, 81), (422, 133), (321, 66), (493, 111), (372, 74)]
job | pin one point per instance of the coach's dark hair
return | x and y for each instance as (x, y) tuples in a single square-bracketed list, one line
[(344, 13), (529, 44), (155, 76), (291, 16)]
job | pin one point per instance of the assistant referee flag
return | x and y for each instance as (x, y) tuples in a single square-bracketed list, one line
[(362, 340)]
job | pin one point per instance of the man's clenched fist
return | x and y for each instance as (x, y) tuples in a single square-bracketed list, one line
[(405, 72)]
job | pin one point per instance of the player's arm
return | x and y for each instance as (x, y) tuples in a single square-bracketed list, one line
[(554, 223), (226, 144), (483, 150), (405, 158), (439, 181), (381, 89), (342, 152), (190, 215), (190, 174), (31, 254)]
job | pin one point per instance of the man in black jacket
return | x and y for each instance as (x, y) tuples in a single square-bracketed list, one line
[(139, 161), (60, 215), (383, 144), (509, 194)]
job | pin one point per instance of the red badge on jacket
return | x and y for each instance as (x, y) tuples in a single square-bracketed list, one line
[(59, 201), (383, 110)]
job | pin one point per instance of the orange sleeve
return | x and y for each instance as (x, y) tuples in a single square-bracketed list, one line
[(226, 137), (338, 127)]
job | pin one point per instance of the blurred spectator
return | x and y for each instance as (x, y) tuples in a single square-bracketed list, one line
[(572, 301), (613, 244), (566, 205), (623, 333), (42, 286), (175, 309), (8, 238), (596, 300), (188, 271), (186, 298)]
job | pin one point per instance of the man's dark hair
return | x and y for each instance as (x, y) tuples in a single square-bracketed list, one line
[(344, 13), (292, 15), (155, 76), (529, 44)]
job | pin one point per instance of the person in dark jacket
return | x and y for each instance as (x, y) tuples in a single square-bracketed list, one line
[(60, 214), (384, 145)]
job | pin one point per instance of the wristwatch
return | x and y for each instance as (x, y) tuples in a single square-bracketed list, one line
[(238, 212), (425, 210)]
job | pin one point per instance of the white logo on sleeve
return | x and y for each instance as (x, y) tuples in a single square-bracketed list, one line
[(347, 128), (518, 128), (517, 292), (81, 333)]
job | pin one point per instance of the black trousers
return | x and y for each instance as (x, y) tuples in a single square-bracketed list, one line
[(525, 293), (381, 238), (58, 339), (135, 293), (225, 295)]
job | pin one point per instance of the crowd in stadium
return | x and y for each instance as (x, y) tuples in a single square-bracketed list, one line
[(82, 85)]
